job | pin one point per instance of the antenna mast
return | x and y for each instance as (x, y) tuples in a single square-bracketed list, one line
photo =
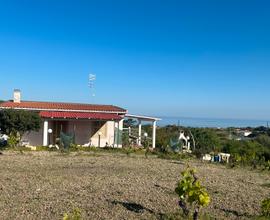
[(91, 84)]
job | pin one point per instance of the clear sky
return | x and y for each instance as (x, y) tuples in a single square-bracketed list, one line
[(188, 58)]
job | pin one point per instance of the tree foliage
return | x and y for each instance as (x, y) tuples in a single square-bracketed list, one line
[(129, 123), (206, 140), (13, 122)]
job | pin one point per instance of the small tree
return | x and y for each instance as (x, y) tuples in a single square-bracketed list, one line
[(129, 123), (17, 122), (192, 195)]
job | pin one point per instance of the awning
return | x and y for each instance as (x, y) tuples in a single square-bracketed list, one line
[(141, 117), (80, 115)]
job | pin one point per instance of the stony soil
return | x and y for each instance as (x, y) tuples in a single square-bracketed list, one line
[(45, 185)]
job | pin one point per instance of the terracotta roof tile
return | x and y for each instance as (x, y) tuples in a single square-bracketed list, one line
[(58, 106), (80, 115)]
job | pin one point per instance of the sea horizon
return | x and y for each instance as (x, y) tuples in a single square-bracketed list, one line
[(211, 122)]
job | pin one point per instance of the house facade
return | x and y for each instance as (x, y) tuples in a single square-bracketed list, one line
[(90, 125)]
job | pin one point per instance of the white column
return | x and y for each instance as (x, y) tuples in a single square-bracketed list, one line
[(120, 133), (45, 133), (140, 133), (116, 134), (154, 134)]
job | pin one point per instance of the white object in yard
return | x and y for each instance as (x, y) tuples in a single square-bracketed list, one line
[(4, 137), (186, 139), (87, 145), (207, 157), (25, 143), (247, 133), (224, 157), (33, 148), (54, 146)]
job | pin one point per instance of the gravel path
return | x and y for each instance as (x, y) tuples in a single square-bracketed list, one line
[(45, 185)]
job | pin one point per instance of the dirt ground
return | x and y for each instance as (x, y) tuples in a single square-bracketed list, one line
[(45, 185)]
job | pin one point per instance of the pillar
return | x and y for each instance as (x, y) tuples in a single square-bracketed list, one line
[(154, 134), (120, 133), (140, 133), (45, 133), (116, 134)]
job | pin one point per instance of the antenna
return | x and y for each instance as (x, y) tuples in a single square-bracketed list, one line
[(91, 83)]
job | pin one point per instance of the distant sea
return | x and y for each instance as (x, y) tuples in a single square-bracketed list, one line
[(211, 122)]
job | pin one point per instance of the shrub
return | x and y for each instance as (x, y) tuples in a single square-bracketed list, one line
[(192, 195), (266, 207), (13, 141), (75, 215), (267, 165), (175, 156)]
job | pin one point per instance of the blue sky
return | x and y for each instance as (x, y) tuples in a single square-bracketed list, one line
[(165, 58)]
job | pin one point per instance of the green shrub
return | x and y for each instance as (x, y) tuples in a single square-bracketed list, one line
[(75, 215), (192, 196), (267, 165), (265, 207), (13, 141), (174, 156)]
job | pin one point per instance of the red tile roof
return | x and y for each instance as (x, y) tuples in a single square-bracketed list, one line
[(80, 115), (59, 106)]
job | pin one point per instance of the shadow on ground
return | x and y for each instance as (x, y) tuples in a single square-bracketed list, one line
[(133, 207)]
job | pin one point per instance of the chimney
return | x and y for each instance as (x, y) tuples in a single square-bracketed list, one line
[(17, 96)]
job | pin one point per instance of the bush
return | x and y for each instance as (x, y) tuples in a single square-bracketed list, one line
[(267, 165), (192, 196), (13, 141), (174, 156), (266, 207), (75, 215)]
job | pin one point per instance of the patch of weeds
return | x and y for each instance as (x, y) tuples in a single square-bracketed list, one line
[(174, 156), (75, 215), (88, 149), (265, 207), (64, 152), (88, 154), (267, 185), (260, 218), (43, 148)]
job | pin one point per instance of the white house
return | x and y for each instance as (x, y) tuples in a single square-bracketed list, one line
[(96, 125)]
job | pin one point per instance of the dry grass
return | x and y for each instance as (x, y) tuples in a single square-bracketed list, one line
[(45, 185)]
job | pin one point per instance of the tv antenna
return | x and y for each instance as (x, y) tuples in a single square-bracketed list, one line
[(91, 84)]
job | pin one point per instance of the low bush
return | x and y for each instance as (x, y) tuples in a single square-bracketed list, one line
[(174, 156), (265, 208), (192, 196), (13, 141), (75, 215)]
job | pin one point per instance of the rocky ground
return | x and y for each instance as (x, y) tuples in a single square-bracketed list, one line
[(45, 185)]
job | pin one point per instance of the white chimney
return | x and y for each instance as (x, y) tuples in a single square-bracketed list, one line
[(17, 96)]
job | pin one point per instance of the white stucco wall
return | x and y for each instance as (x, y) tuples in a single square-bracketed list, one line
[(34, 138), (84, 132), (107, 135)]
